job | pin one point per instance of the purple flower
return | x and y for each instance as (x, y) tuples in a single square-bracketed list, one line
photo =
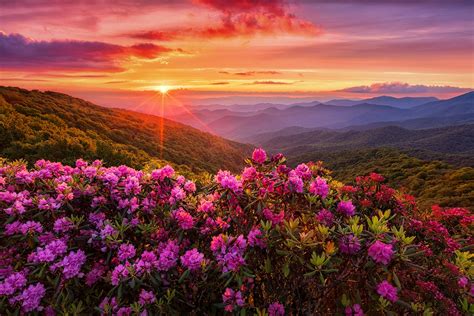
[(168, 255), (163, 173), (380, 252), (107, 231), (346, 208), (177, 194), (132, 186), (146, 297), (249, 174), (303, 171), (463, 282), (259, 155), (63, 225), (295, 183), (232, 299), (127, 311), (119, 273), (349, 244), (13, 282), (71, 264), (325, 217), (354, 310), (146, 263), (126, 251), (388, 291), (31, 297), (276, 309), (189, 186), (192, 259), (319, 187), (255, 238), (49, 253), (31, 227), (12, 228), (229, 251), (228, 181)]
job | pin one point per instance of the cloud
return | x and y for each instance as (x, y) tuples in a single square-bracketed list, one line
[(251, 73), (18, 51), (156, 35), (249, 18), (239, 18), (220, 83), (400, 87), (269, 82)]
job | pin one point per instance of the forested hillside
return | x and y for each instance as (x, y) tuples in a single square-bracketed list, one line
[(431, 182), (453, 144), (48, 125)]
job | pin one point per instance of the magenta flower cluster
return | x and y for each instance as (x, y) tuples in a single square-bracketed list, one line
[(381, 252)]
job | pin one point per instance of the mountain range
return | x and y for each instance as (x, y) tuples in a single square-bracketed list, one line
[(412, 112)]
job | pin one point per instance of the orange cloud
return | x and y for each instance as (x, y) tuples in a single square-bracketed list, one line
[(239, 18), (251, 73)]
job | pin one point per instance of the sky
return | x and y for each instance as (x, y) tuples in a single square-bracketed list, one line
[(117, 52)]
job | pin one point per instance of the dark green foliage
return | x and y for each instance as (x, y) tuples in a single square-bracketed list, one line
[(53, 126)]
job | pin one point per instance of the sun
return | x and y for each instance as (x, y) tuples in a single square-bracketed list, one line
[(164, 89)]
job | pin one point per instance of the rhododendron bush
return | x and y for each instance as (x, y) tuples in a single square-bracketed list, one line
[(272, 241)]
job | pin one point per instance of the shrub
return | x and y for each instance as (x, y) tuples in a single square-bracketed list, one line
[(273, 240)]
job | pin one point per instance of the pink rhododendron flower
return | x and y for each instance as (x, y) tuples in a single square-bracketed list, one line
[(232, 299), (30, 298), (276, 309), (387, 291), (126, 251), (228, 181), (259, 155), (346, 208), (192, 259), (325, 217), (349, 244), (63, 225), (184, 219), (255, 238), (319, 187), (380, 252), (71, 264), (12, 283), (354, 310), (119, 273), (146, 297)]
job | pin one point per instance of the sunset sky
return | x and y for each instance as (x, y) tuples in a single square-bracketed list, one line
[(111, 51)]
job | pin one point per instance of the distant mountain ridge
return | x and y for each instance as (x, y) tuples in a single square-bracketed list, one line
[(242, 126), (402, 103)]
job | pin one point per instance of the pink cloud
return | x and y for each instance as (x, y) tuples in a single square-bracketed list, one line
[(18, 51), (403, 88)]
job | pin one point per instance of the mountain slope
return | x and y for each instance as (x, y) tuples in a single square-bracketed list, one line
[(49, 125)]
